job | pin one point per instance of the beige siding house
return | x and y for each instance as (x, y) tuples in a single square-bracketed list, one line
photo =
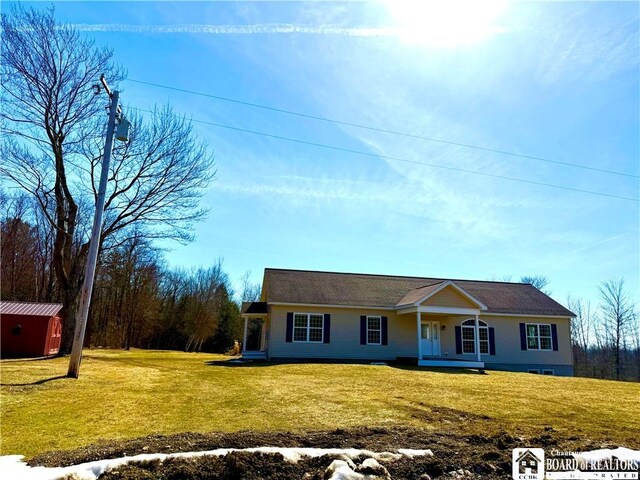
[(435, 322)]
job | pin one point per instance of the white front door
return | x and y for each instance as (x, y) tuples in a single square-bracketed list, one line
[(430, 338)]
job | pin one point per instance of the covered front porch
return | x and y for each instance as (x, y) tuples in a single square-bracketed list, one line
[(439, 336), (449, 332)]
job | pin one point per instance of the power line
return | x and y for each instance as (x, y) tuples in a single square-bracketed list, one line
[(382, 130), (387, 157)]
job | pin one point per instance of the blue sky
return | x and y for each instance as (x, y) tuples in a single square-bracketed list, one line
[(552, 80)]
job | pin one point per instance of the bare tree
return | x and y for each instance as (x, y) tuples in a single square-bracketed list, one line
[(635, 343), (25, 249), (582, 329), (500, 278), (618, 315), (635, 339), (250, 291), (18, 249), (539, 281), (53, 125), (47, 76), (156, 179), (207, 293), (126, 296)]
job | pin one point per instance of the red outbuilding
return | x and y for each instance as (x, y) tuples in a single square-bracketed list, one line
[(30, 329)]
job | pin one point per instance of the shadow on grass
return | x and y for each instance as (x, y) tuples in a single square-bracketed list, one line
[(28, 359), (450, 370), (37, 382), (239, 363), (236, 362)]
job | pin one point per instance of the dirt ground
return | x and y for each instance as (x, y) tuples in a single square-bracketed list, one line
[(455, 455)]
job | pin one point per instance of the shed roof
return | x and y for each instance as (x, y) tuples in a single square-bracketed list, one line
[(358, 289), (30, 308)]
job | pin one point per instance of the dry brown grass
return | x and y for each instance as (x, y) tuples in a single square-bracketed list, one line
[(129, 394)]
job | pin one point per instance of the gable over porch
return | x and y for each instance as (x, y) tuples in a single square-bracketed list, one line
[(440, 306)]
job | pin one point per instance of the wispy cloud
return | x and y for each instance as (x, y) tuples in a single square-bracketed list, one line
[(407, 200), (250, 29), (573, 48)]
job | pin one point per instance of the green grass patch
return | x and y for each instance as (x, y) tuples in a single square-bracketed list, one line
[(122, 395)]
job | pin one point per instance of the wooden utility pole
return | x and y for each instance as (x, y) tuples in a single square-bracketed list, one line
[(94, 244)]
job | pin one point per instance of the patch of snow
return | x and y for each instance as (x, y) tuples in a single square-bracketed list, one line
[(13, 466), (341, 470), (370, 469), (409, 452), (371, 463), (348, 460)]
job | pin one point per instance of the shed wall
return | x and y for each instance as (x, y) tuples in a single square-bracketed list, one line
[(35, 338)]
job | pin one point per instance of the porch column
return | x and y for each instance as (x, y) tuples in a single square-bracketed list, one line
[(477, 337), (419, 320), (263, 334), (244, 337)]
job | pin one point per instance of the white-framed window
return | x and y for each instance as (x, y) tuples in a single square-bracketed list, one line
[(308, 327), (374, 330), (469, 336), (533, 370), (548, 372), (539, 336)]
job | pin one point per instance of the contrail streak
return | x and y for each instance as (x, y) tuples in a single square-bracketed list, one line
[(260, 28)]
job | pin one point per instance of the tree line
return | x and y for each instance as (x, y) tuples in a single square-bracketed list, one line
[(605, 338), (138, 301)]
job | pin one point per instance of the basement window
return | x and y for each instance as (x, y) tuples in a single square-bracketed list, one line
[(548, 372), (533, 370)]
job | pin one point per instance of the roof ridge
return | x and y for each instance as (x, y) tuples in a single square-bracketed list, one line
[(429, 285), (395, 276)]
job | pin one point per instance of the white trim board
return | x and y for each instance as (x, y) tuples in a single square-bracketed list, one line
[(412, 309), (322, 305), (451, 310), (445, 310), (524, 315), (450, 363)]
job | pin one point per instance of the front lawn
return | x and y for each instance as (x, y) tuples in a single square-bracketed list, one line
[(122, 395)]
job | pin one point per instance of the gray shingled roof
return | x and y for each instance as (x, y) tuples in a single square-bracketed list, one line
[(332, 288), (416, 294)]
